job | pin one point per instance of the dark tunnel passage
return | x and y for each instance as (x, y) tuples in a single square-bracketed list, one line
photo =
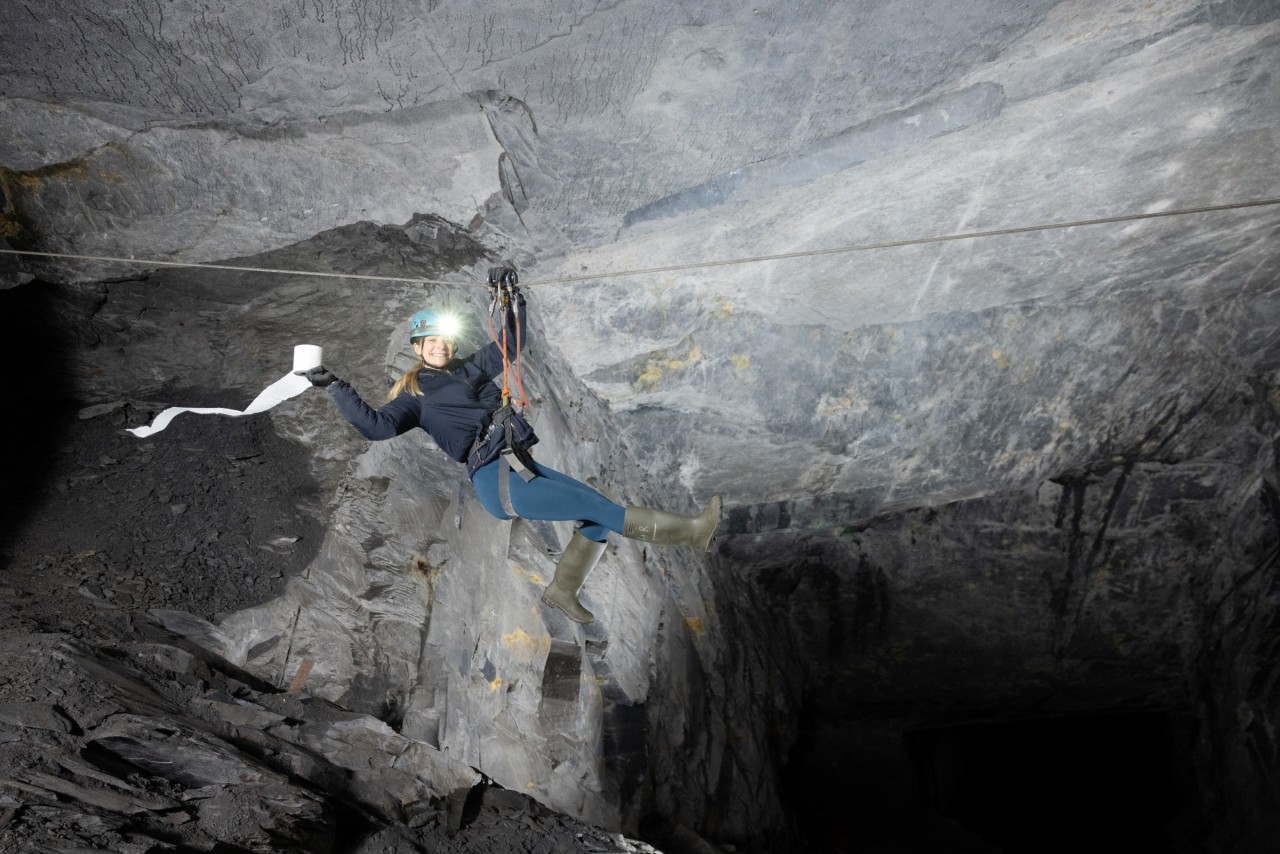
[(1096, 780), (1088, 782), (40, 391)]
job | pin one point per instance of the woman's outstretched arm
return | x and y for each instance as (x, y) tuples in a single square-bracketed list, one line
[(398, 416)]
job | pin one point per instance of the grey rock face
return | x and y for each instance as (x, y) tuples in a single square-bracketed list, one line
[(968, 479), (886, 134), (150, 745)]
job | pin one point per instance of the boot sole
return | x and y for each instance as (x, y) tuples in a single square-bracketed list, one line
[(562, 610), (704, 542)]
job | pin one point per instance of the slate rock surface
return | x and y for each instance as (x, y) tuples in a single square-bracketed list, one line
[(1009, 452)]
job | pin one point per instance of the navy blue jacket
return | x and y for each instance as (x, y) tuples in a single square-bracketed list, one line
[(456, 404)]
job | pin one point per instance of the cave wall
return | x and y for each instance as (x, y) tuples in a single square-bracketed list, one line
[(961, 475), (1133, 586)]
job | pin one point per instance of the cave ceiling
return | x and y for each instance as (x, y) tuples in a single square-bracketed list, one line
[(600, 140)]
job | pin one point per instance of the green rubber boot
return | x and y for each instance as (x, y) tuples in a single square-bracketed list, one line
[(579, 558), (659, 526)]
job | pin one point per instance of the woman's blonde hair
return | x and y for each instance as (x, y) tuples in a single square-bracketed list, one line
[(408, 382)]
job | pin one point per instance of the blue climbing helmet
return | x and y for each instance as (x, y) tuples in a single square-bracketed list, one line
[(431, 321)]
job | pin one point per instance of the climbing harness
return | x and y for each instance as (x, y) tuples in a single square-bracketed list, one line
[(513, 457), (509, 435)]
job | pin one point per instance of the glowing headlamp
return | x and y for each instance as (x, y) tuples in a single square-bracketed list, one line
[(448, 326), (431, 321)]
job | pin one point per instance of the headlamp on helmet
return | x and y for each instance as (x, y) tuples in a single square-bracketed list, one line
[(430, 321)]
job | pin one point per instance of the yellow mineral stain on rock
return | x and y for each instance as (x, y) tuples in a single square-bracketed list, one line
[(656, 369), (833, 405), (695, 625), (495, 684), (522, 641), (741, 361), (649, 377), (528, 575), (1002, 361), (725, 309), (34, 182)]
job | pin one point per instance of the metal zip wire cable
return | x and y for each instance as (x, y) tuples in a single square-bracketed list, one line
[(672, 268), (893, 244)]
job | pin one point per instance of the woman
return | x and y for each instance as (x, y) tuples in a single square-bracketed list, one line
[(457, 403)]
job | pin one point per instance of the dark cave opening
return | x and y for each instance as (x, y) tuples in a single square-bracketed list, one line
[(1087, 782), (40, 397)]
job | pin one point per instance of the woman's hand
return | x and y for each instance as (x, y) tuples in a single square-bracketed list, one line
[(319, 376), (506, 276)]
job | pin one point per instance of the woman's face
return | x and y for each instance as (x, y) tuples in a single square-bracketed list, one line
[(435, 351)]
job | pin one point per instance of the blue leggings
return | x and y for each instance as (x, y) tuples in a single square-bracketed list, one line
[(552, 496)]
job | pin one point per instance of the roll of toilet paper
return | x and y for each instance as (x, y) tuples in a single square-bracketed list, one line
[(305, 357)]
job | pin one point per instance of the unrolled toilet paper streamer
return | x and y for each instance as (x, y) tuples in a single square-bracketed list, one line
[(305, 357)]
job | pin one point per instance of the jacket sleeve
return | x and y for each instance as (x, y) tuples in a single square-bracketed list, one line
[(489, 357), (398, 416)]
